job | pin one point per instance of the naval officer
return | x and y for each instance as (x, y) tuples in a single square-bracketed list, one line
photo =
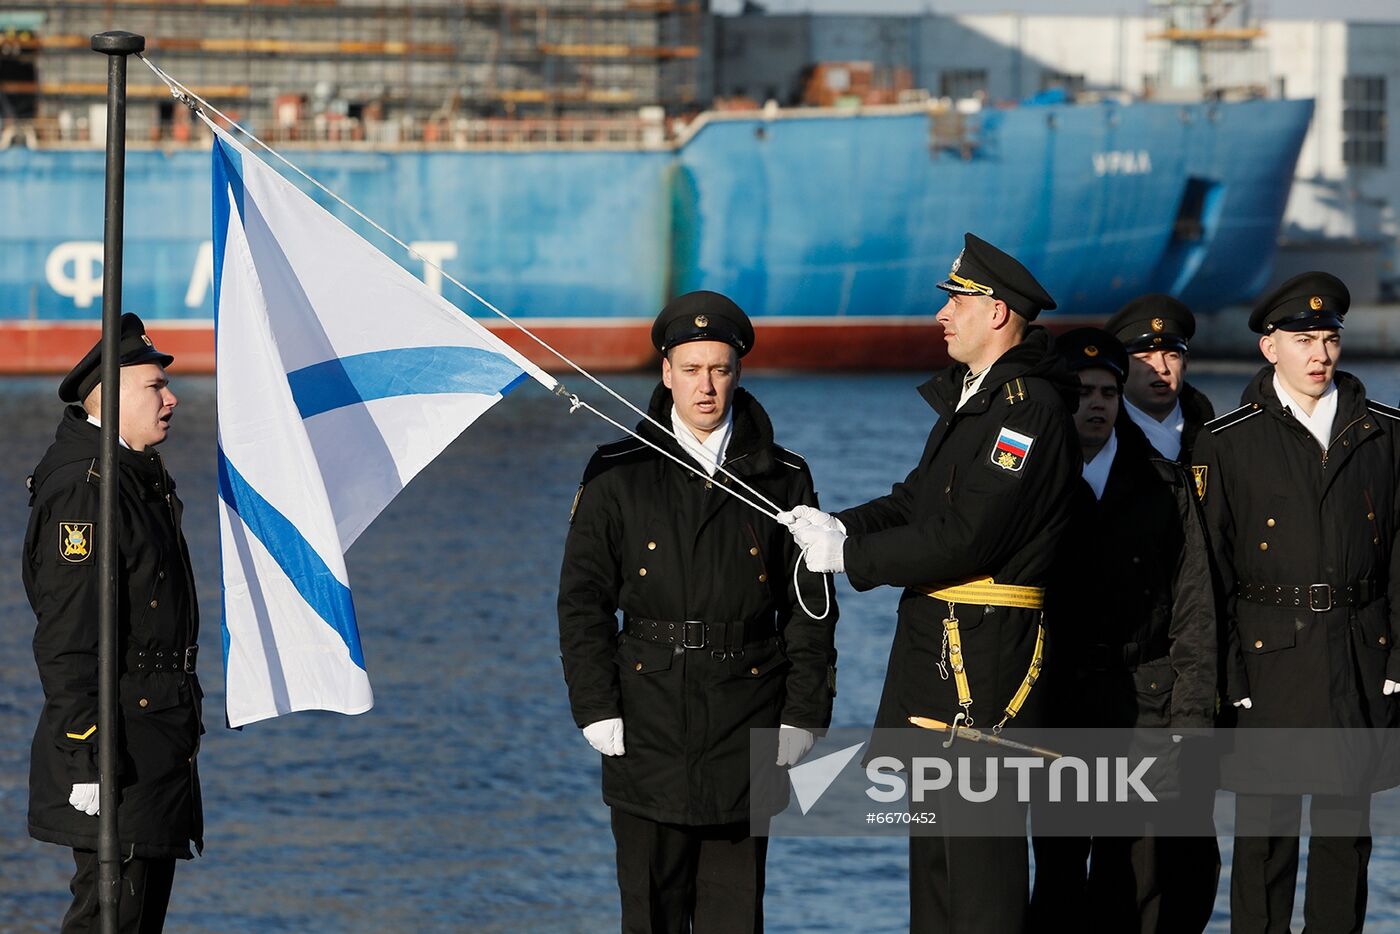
[(1156, 330), (158, 693), (1299, 490), (970, 536), (1131, 620), (713, 642)]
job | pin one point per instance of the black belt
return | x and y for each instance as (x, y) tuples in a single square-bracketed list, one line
[(698, 634), (1111, 656), (181, 660), (1316, 597)]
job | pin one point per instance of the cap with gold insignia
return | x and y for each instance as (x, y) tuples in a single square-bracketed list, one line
[(702, 316), (1312, 301), (982, 269), (134, 347), (1153, 322), (1085, 348)]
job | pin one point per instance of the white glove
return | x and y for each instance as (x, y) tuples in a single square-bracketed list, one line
[(1390, 686), (605, 736), (1244, 702), (802, 516), (85, 798), (793, 743), (824, 549)]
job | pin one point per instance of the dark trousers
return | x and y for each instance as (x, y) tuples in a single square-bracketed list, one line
[(144, 893), (961, 883), (1147, 884), (677, 879), (1265, 866)]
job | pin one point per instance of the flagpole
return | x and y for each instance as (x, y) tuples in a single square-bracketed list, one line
[(116, 46)]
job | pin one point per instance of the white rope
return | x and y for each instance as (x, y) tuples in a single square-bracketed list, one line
[(188, 97), (577, 403), (797, 588)]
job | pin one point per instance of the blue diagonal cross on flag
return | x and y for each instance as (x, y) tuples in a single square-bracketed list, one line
[(340, 376)]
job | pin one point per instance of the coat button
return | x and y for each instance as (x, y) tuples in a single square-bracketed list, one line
[(1371, 516), (154, 604), (160, 575), (643, 572), (651, 546), (763, 578), (1345, 442), (1152, 686), (754, 552), (1367, 425), (753, 670), (1271, 523), (638, 666), (1382, 640), (709, 485), (143, 702), (1137, 560), (1263, 546), (1258, 643)]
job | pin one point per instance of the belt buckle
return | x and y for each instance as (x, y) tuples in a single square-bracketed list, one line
[(191, 653), (1313, 591), (686, 642)]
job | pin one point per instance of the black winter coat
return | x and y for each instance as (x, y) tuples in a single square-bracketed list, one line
[(1131, 613), (1196, 410), (659, 543), (968, 511), (157, 619), (1282, 512)]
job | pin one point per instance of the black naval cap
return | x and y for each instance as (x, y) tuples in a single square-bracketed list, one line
[(982, 269), (135, 347), (1312, 301), (702, 316), (1153, 322), (1085, 348)]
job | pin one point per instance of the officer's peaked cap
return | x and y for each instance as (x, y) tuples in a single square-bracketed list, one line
[(1153, 322), (982, 269), (1085, 348), (1311, 301), (134, 347), (702, 316)]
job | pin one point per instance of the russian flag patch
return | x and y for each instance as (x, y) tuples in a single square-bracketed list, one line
[(1011, 450)]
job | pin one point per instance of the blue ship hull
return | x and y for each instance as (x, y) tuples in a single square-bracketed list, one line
[(813, 221)]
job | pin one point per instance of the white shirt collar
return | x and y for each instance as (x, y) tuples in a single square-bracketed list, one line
[(92, 420), (1165, 435), (1096, 470), (1319, 423), (970, 389), (710, 452)]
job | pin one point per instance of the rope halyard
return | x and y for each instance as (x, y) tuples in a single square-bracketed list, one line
[(199, 105)]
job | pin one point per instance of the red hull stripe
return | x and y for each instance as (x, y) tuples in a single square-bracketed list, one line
[(600, 345)]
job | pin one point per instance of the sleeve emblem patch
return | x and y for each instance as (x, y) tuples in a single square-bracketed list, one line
[(1011, 450), (1199, 472), (75, 541)]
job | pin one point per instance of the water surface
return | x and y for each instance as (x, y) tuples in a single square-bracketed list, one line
[(467, 800)]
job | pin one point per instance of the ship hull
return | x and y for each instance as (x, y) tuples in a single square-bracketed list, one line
[(829, 228)]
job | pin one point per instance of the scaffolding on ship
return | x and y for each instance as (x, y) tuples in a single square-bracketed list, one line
[(346, 72)]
